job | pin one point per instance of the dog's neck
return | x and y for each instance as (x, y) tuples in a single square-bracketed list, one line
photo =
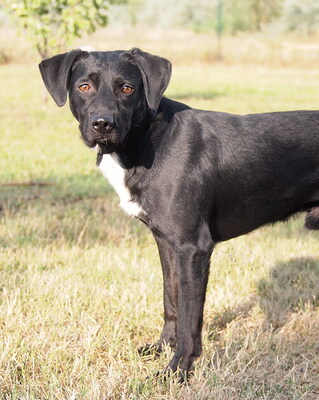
[(138, 149), (146, 135)]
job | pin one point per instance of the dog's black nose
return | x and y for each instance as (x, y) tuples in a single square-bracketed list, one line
[(103, 123)]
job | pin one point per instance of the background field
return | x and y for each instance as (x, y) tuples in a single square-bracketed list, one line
[(80, 282)]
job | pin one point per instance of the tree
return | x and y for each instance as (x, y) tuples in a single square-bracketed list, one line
[(264, 12), (250, 15), (301, 15), (53, 24), (219, 27), (197, 15)]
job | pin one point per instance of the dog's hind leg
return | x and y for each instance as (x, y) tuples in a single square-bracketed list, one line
[(312, 219), (168, 335)]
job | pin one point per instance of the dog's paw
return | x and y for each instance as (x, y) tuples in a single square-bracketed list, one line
[(179, 375), (150, 350)]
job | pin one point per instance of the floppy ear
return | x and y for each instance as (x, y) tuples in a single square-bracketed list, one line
[(156, 73), (55, 73)]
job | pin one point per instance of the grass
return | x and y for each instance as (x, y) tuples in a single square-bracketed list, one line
[(80, 282)]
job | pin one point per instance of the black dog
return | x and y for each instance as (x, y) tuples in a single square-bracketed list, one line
[(195, 178)]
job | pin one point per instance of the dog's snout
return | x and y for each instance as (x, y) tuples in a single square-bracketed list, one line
[(103, 123)]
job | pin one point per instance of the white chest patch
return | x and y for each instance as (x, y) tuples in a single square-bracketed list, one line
[(115, 174)]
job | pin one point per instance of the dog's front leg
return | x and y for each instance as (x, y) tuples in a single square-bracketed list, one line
[(168, 261), (192, 272)]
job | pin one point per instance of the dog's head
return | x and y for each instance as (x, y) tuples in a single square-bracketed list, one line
[(109, 92)]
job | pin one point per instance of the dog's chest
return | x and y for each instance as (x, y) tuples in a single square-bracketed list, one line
[(115, 174)]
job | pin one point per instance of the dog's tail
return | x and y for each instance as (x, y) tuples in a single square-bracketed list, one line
[(312, 219)]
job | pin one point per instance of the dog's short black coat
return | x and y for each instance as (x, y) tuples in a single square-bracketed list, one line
[(194, 177)]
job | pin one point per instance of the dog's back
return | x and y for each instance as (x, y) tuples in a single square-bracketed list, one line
[(254, 169)]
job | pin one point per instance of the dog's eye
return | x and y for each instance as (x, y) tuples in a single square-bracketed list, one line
[(85, 87), (127, 89)]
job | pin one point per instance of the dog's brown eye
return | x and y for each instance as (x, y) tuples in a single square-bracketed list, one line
[(85, 87), (126, 89)]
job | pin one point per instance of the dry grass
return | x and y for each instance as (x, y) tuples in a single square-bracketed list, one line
[(80, 283)]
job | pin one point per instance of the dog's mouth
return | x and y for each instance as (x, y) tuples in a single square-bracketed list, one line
[(104, 143), (101, 144), (106, 146)]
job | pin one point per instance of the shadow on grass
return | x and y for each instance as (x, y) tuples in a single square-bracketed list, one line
[(291, 287), (54, 189), (269, 345), (77, 210)]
